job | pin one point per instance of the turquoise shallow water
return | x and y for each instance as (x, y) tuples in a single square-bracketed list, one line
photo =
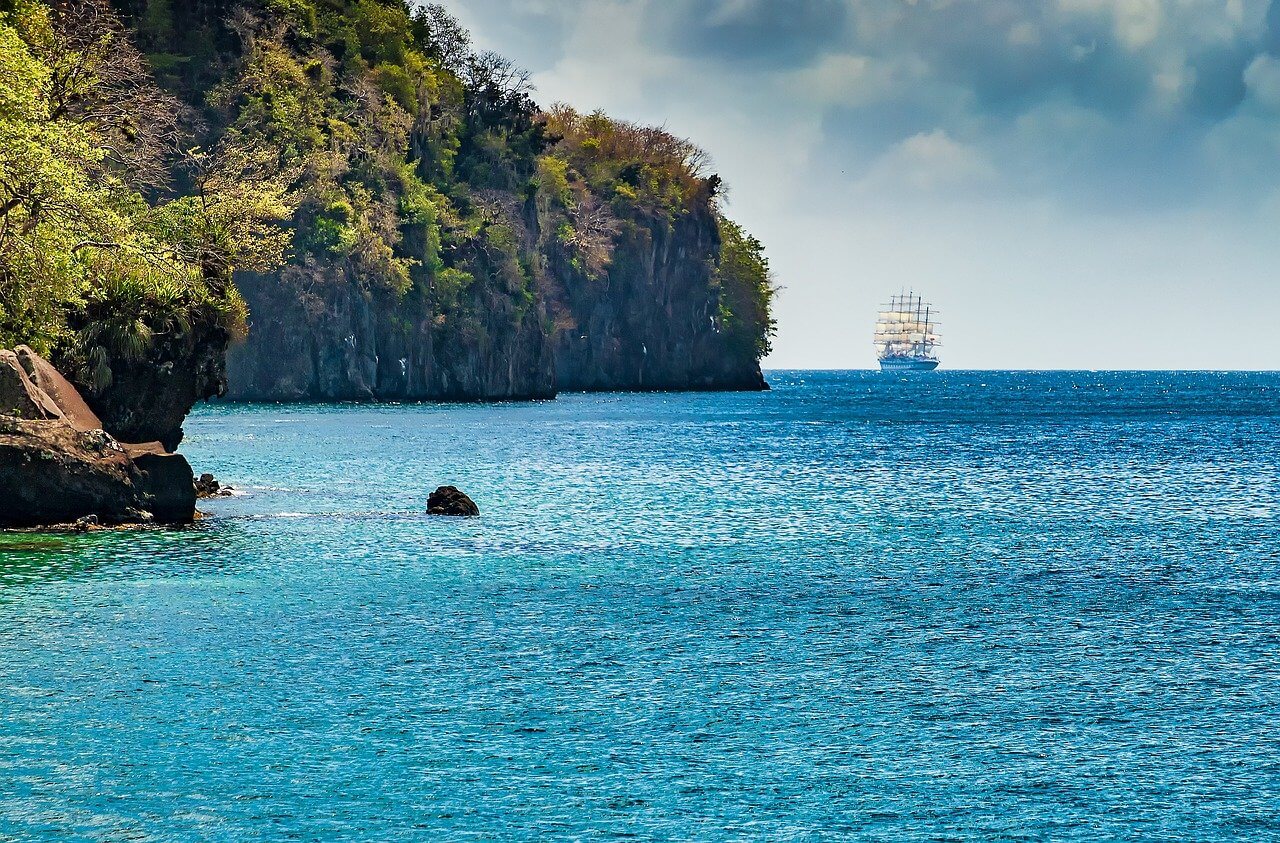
[(970, 606)]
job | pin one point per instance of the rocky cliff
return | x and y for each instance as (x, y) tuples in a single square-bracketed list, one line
[(147, 400), (351, 343), (58, 464), (651, 321)]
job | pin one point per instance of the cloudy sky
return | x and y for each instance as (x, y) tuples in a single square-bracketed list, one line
[(1075, 183)]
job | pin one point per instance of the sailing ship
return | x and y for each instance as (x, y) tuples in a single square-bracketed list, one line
[(907, 334)]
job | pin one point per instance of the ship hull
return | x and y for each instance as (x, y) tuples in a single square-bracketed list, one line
[(907, 364)]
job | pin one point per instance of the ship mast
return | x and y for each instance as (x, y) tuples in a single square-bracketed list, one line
[(918, 347)]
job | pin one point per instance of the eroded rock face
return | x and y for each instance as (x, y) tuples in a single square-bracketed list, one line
[(653, 325), (20, 397), (449, 500), (364, 346), (58, 466), (149, 400), (50, 381)]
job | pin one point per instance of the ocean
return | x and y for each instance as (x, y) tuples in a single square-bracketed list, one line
[(962, 606)]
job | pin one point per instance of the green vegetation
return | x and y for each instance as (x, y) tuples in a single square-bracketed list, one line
[(88, 145), (328, 146), (746, 297)]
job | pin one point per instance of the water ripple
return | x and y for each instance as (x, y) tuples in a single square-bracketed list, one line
[(979, 606)]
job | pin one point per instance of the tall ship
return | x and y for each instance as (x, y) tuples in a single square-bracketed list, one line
[(907, 334)]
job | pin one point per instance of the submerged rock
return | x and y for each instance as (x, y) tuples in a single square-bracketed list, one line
[(449, 500), (57, 466)]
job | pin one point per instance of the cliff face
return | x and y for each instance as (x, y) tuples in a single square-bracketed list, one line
[(360, 346), (148, 400), (651, 322), (447, 238)]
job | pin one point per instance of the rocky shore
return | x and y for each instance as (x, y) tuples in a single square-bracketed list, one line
[(59, 465)]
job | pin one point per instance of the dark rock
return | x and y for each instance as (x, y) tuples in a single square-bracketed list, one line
[(651, 323), (449, 500), (167, 487), (363, 347), (148, 400), (207, 486), (654, 325)]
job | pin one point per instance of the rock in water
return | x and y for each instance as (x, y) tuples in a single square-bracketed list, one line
[(57, 468), (51, 473), (169, 491), (449, 500), (207, 486)]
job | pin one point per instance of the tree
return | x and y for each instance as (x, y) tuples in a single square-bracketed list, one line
[(84, 132), (444, 38), (746, 290)]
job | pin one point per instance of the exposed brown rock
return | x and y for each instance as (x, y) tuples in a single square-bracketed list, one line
[(50, 381), (19, 396)]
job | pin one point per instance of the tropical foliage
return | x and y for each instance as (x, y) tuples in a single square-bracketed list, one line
[(88, 147)]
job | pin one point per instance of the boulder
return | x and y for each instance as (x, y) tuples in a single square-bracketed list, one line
[(51, 382), (167, 487), (19, 396), (449, 500), (207, 486), (51, 473)]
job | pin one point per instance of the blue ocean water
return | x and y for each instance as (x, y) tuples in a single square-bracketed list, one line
[(964, 606)]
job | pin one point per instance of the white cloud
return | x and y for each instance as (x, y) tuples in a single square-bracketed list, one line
[(1024, 34), (839, 79), (1262, 78), (927, 162), (1136, 22)]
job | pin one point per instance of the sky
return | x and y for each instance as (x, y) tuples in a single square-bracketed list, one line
[(1075, 184)]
